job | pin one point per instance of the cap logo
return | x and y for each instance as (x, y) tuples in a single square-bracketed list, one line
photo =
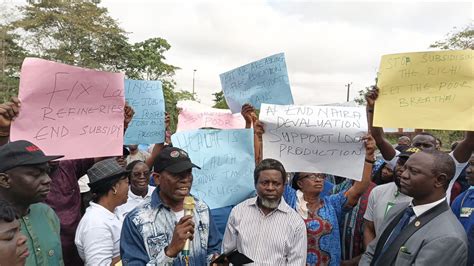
[(174, 154), (32, 148), (184, 153), (413, 149)]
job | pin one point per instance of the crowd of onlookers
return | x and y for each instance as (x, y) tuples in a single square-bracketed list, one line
[(412, 206)]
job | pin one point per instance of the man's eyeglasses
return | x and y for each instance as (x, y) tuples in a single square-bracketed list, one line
[(139, 174)]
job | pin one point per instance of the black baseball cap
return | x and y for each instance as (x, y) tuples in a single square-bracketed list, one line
[(406, 153), (22, 152), (173, 160)]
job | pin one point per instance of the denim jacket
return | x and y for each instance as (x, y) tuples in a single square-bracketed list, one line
[(148, 229)]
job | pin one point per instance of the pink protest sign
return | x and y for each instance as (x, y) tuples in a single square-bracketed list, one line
[(190, 119), (70, 111)]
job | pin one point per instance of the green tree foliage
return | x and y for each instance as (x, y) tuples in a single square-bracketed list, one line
[(219, 100), (146, 60), (73, 32), (457, 39), (360, 99), (11, 57), (81, 33)]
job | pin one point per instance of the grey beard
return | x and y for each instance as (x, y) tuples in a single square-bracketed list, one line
[(270, 204)]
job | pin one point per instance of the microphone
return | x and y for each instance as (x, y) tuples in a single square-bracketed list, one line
[(188, 206)]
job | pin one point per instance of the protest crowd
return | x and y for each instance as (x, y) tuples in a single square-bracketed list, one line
[(160, 203)]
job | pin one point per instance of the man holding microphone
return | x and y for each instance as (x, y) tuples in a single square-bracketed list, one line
[(160, 231)]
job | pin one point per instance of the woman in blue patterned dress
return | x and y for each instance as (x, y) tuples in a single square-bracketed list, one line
[(323, 214)]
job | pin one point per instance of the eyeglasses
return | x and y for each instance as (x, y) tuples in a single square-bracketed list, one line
[(139, 174), (313, 177)]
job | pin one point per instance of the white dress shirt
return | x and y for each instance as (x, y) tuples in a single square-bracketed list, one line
[(98, 236), (132, 202), (420, 209)]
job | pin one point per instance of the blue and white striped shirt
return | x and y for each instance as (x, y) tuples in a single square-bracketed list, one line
[(278, 238)]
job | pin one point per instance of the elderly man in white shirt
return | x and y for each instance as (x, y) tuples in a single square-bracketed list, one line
[(265, 228), (139, 191)]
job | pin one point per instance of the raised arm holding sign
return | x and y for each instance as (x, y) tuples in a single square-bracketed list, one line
[(423, 141), (427, 90)]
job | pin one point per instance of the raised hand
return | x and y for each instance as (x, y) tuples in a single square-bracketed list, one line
[(167, 121), (369, 145), (371, 96), (259, 128), (248, 113), (128, 114), (8, 112)]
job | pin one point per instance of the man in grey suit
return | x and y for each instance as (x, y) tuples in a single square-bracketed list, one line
[(425, 231)]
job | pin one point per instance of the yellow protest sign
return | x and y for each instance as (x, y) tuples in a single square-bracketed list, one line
[(428, 90)]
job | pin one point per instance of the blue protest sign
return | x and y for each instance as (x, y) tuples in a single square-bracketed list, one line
[(148, 123), (226, 158), (262, 81)]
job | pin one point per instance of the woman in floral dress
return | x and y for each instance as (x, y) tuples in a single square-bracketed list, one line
[(323, 214)]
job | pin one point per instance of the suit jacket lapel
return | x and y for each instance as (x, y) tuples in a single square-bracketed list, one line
[(385, 234), (392, 251)]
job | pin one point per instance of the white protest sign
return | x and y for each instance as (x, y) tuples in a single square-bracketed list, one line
[(317, 139)]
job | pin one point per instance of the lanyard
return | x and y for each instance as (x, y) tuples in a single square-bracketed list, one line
[(391, 204), (396, 194)]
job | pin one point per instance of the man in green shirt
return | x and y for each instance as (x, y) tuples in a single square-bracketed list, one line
[(24, 183)]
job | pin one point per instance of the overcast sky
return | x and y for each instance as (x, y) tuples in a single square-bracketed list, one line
[(326, 44)]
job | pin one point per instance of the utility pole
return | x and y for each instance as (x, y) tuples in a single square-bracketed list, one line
[(194, 72), (348, 90)]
